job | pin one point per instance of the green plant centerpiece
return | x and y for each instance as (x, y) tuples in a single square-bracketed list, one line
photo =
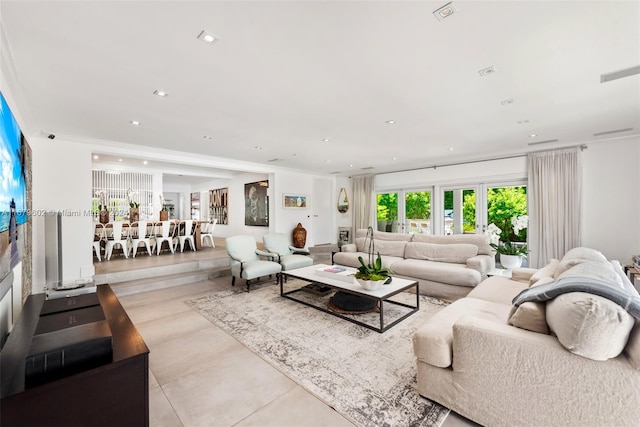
[(372, 274)]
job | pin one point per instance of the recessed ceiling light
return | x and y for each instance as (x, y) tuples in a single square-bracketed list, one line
[(444, 12), (160, 93), (451, 149), (208, 38), (507, 101), (350, 166), (390, 122), (135, 122), (258, 147), (487, 71), (395, 158), (327, 161), (96, 157), (533, 135), (119, 160), (207, 137), (145, 163), (325, 140)]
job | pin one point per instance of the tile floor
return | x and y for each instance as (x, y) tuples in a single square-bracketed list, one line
[(201, 376)]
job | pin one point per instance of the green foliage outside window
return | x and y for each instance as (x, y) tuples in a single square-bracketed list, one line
[(387, 206), (418, 205), (502, 204)]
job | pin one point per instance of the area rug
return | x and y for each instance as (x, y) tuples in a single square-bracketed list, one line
[(368, 377)]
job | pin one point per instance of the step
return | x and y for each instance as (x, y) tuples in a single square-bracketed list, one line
[(159, 271), (166, 281)]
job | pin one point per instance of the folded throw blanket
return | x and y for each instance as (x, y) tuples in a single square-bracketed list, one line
[(620, 296)]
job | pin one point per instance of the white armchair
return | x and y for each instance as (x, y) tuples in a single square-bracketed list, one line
[(246, 262)]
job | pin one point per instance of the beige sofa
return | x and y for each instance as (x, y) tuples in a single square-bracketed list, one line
[(447, 267), (571, 361)]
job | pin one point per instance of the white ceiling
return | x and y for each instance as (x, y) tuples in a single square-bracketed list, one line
[(287, 74)]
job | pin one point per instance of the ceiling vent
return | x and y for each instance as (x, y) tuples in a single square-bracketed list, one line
[(275, 160), (619, 74), (487, 71), (609, 132), (367, 168), (548, 141), (444, 12)]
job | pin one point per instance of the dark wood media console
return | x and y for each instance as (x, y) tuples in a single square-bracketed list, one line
[(115, 394)]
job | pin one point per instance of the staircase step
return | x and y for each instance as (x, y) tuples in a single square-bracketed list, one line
[(166, 281), (161, 271)]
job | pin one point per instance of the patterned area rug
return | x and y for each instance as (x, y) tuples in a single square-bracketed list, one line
[(368, 377)]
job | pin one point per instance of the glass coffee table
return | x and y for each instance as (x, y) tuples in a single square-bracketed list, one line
[(318, 289)]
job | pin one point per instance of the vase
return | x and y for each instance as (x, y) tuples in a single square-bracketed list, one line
[(510, 261), (134, 214), (104, 217), (164, 215), (299, 236), (370, 285)]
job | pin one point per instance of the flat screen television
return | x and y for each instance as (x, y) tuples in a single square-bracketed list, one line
[(13, 190)]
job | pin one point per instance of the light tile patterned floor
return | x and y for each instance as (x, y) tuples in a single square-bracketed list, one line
[(201, 376)]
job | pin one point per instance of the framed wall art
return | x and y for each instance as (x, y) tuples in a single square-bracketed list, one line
[(219, 205), (256, 204), (294, 201)]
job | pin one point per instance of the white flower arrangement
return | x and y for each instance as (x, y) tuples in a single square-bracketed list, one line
[(503, 240), (132, 203), (102, 199)]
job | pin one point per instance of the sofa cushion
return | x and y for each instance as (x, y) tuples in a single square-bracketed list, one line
[(497, 289), (480, 240), (531, 315), (454, 252), (350, 259), (596, 270), (589, 325), (632, 350), (546, 271), (443, 272), (432, 341), (388, 247), (585, 253)]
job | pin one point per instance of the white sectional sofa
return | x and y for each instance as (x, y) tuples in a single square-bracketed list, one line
[(573, 360), (447, 267)]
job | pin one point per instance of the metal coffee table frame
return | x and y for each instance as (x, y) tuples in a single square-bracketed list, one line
[(381, 295)]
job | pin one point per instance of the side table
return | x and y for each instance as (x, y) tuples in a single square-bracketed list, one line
[(503, 272)]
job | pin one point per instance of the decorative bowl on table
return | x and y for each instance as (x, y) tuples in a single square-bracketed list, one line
[(370, 285)]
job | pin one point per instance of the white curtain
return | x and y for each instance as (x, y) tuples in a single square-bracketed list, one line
[(555, 204), (363, 201)]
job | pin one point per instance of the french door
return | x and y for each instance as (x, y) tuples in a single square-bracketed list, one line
[(404, 211), (459, 209)]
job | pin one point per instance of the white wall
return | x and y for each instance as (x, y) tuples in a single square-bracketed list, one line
[(611, 209), (611, 191), (62, 182), (287, 219)]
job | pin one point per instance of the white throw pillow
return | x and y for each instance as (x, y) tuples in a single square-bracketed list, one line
[(453, 252), (546, 271), (589, 325), (531, 315)]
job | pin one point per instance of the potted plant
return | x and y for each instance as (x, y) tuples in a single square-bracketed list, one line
[(164, 213), (371, 275), (134, 207), (103, 214), (504, 241)]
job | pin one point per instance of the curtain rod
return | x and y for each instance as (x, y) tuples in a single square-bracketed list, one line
[(434, 167)]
